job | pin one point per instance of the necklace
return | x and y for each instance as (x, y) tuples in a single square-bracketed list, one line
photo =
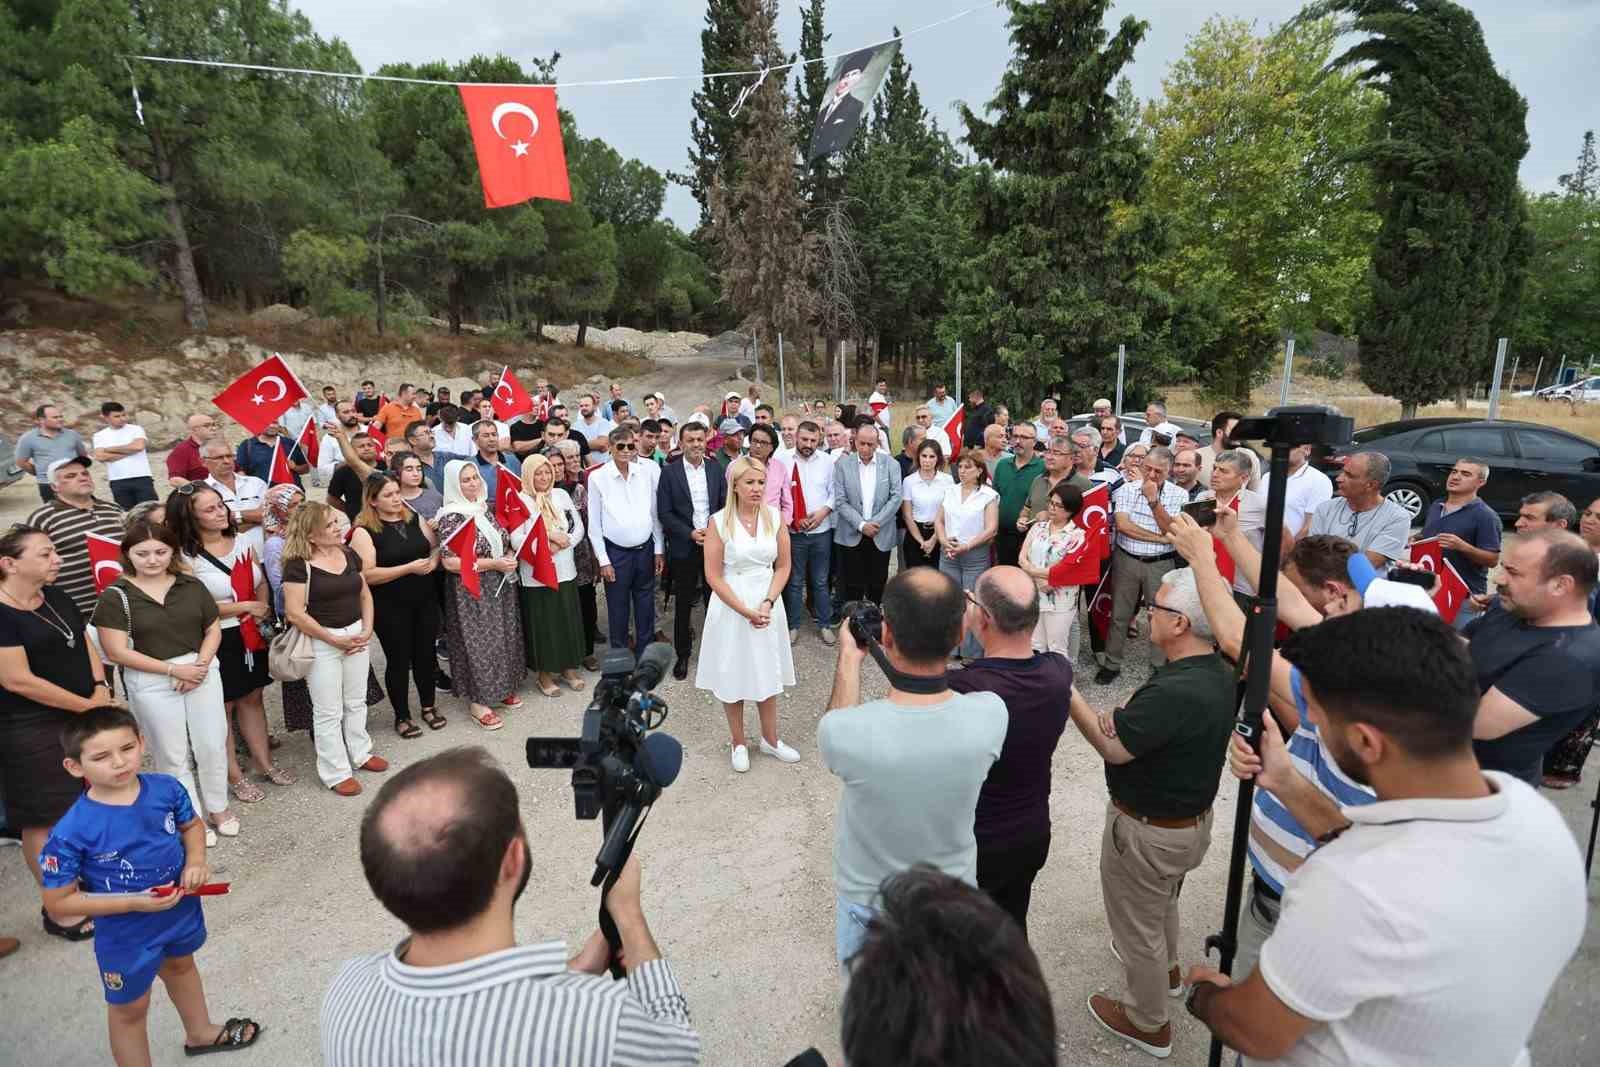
[(59, 625), (750, 523)]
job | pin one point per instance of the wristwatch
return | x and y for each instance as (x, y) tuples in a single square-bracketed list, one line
[(103, 682), (1194, 995)]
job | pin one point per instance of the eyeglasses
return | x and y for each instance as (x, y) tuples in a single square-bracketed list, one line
[(1154, 607), (974, 602), (625, 446)]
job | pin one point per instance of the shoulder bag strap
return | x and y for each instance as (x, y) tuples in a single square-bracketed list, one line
[(127, 610)]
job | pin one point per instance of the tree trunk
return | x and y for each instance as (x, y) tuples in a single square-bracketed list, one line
[(458, 301), (1461, 396), (877, 348), (1408, 409), (194, 301), (583, 329)]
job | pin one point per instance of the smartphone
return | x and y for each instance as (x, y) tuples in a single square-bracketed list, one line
[(1412, 576), (1203, 512)]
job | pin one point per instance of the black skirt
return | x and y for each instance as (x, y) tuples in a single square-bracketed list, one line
[(38, 789), (239, 680)]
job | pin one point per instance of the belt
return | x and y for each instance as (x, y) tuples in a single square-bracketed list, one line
[(1263, 889), (1147, 559), (613, 546), (1160, 824)]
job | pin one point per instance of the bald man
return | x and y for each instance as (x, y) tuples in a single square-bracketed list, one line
[(184, 462)]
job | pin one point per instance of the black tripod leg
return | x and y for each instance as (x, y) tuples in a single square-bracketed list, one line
[(1594, 825)]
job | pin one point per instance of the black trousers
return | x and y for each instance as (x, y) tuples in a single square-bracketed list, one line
[(407, 634), (589, 606), (914, 556), (130, 492), (688, 585), (866, 570), (1007, 875), (1007, 545)]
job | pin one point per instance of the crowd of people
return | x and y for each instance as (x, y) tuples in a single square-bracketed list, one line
[(474, 550)]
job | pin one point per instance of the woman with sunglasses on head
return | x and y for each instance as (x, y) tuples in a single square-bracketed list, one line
[(487, 657), (396, 549), (552, 623), (49, 671), (212, 548)]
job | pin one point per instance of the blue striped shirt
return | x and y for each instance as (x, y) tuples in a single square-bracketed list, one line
[(1278, 844), (517, 1006)]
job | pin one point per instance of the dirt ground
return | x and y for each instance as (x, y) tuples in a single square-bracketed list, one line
[(737, 883)]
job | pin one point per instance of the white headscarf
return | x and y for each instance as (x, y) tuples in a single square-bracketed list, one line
[(455, 503)]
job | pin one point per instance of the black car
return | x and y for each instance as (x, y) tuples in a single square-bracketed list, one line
[(1523, 458)]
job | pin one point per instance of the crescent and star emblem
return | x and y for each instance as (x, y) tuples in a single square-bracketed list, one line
[(507, 387), (116, 569), (511, 107), (283, 390), (1090, 511)]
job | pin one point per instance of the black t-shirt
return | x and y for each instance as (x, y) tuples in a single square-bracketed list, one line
[(368, 405), (1177, 727), (1014, 803), (526, 431), (49, 656), (345, 488), (334, 600), (1552, 671)]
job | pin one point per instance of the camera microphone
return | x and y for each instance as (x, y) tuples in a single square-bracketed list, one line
[(654, 663), (659, 759)]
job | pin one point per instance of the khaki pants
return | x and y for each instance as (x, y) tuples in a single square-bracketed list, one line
[(1257, 919), (1141, 873), (1130, 578)]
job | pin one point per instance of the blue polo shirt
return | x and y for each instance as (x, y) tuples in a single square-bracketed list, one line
[(253, 457), (1477, 525), (488, 470)]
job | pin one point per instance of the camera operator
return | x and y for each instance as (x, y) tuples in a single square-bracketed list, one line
[(1395, 945), (445, 851), (1163, 754), (1013, 817), (912, 763)]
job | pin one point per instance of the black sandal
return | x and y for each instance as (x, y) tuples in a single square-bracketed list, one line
[(229, 1039), (75, 932), (432, 717), (407, 729)]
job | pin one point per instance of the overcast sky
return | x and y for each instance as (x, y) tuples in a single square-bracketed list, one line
[(1548, 48)]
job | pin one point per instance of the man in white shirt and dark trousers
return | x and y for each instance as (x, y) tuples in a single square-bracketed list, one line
[(122, 446), (626, 534), (691, 490), (1144, 510), (1395, 944), (1307, 490), (460, 970), (811, 534)]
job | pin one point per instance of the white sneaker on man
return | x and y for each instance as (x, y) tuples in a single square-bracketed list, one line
[(741, 758), (827, 635), (780, 751)]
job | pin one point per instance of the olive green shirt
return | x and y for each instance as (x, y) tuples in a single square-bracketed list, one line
[(1039, 492), (175, 627), (1177, 727)]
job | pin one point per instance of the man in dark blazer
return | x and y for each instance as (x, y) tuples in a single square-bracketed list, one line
[(691, 490), (842, 112)]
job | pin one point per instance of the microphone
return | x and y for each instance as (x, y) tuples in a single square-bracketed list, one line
[(654, 662), (659, 759)]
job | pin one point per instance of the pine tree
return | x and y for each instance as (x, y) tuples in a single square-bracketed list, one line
[(1052, 287), (818, 179), (712, 128), (1584, 182)]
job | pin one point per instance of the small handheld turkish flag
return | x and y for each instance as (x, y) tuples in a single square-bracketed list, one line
[(243, 580), (509, 510), (1428, 554), (797, 490), (380, 438), (1100, 614), (952, 430), (281, 472), (517, 137), (535, 552), (510, 398), (308, 443), (464, 543), (1081, 566), (259, 398), (1093, 517), (105, 559), (1451, 592)]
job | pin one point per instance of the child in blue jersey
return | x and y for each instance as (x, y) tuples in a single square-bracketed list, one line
[(128, 834)]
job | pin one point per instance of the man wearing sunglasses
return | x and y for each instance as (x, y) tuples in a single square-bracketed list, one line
[(625, 530)]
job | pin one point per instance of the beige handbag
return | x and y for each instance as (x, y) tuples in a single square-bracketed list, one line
[(291, 653)]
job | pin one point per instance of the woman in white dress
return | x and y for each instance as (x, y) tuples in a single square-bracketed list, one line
[(1048, 542), (744, 651)]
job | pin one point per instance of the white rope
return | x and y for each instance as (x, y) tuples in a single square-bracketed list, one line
[(762, 71), (744, 94)]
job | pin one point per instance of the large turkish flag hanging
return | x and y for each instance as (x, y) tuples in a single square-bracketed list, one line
[(517, 137)]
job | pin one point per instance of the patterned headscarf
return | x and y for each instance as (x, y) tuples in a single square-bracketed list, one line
[(280, 501)]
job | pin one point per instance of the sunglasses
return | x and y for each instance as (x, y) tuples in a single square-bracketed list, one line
[(625, 447)]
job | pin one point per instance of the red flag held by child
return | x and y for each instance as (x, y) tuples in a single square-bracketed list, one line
[(510, 399), (509, 510), (105, 559), (464, 543), (517, 138), (281, 473), (535, 552), (260, 397), (243, 579)]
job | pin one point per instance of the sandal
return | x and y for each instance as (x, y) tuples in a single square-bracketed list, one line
[(513, 701), (491, 721), (407, 729), (280, 776), (553, 691), (432, 717), (82, 930), (574, 683), (246, 790), (230, 1038)]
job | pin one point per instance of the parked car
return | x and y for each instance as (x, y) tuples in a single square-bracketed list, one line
[(1523, 458), (1582, 390), (1133, 425)]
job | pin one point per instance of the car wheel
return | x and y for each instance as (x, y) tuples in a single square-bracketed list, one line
[(1412, 497)]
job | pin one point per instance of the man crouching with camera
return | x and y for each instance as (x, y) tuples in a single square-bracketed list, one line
[(913, 762), (445, 851)]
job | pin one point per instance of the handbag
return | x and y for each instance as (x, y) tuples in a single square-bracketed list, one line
[(291, 653)]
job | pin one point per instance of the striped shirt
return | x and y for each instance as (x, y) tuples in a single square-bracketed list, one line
[(1130, 500), (517, 1006), (1278, 844), (68, 528)]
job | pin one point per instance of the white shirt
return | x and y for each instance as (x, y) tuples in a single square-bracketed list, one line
[(1041, 430), (134, 466), (1307, 488), (816, 483), (457, 443), (1399, 938), (326, 413), (295, 419), (963, 519), (1252, 512), (868, 473), (220, 583), (591, 428), (1172, 430), (572, 525), (699, 495), (248, 494), (926, 494), (747, 409), (623, 510)]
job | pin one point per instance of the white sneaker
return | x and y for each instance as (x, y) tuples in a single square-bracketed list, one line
[(211, 838), (741, 758), (780, 751), (827, 635), (794, 635)]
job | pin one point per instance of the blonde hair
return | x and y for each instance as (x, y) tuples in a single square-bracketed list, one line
[(730, 509), (307, 519), (547, 507)]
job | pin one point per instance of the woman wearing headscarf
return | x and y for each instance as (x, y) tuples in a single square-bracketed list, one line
[(485, 632), (552, 624)]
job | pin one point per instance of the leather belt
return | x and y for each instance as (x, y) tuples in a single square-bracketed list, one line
[(1160, 824), (1147, 559)]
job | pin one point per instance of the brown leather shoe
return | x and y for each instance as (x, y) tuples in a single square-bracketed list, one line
[(375, 763), (348, 788), (1113, 1018), (8, 945)]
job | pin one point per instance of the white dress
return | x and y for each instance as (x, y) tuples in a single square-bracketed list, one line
[(737, 661)]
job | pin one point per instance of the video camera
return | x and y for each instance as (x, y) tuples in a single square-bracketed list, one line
[(619, 767)]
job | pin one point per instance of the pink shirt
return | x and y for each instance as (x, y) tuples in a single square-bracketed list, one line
[(780, 488)]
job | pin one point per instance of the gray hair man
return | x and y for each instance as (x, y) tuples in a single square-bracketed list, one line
[(1361, 513), (1144, 511)]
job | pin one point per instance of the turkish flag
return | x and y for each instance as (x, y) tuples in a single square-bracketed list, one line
[(281, 472), (510, 399), (309, 444), (509, 510), (1451, 593), (517, 137), (464, 543), (798, 492), (1079, 567), (243, 579), (1094, 517), (1428, 555), (1100, 614), (535, 552), (952, 430), (260, 397), (1225, 564), (380, 438), (105, 560)]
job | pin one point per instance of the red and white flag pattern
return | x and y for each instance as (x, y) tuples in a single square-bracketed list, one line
[(510, 399), (535, 552), (281, 473), (259, 398), (105, 559), (464, 543)]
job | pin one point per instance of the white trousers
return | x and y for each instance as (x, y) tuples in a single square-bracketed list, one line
[(1053, 632), (338, 685), (173, 722)]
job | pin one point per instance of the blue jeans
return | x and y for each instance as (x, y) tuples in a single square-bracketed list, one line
[(850, 927), (810, 556)]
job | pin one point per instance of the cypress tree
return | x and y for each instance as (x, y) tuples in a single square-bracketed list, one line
[(712, 128)]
